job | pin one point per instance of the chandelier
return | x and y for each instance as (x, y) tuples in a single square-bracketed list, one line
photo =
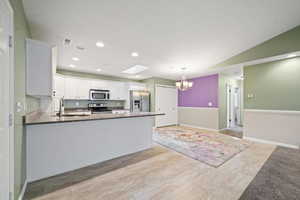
[(184, 84)]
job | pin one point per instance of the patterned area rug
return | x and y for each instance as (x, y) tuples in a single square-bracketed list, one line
[(211, 148)]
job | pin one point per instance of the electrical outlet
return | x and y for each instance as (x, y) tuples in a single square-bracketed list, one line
[(250, 96), (19, 106)]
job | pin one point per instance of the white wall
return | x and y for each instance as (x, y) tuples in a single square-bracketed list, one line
[(273, 126), (199, 117)]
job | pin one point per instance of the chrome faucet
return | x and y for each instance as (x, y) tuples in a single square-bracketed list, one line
[(61, 107)]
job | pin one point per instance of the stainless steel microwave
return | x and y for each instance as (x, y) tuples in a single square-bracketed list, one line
[(99, 94)]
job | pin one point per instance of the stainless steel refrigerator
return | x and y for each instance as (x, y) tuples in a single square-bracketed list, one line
[(139, 101)]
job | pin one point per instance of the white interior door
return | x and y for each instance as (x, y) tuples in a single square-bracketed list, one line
[(5, 106), (166, 102)]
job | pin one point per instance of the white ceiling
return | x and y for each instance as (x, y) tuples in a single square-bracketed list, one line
[(167, 34)]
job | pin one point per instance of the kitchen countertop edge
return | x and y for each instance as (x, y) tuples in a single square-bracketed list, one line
[(48, 119)]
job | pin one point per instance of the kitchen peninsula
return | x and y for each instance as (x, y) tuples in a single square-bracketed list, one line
[(60, 144)]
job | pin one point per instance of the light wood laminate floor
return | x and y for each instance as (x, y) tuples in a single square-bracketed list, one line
[(158, 173)]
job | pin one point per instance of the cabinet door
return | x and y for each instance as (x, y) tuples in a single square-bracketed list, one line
[(59, 86), (137, 86), (40, 67), (83, 88), (99, 84), (116, 90), (70, 88)]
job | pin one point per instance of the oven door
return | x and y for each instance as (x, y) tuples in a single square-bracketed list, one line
[(98, 95)]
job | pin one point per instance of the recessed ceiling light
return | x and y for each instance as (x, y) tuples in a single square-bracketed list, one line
[(75, 59), (98, 70), (291, 55), (135, 69), (134, 54), (71, 65), (99, 44)]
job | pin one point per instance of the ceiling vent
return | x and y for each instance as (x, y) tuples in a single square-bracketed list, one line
[(67, 42), (81, 48)]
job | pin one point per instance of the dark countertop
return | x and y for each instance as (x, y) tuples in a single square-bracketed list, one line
[(44, 118)]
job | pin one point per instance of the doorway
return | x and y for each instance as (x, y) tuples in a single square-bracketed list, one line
[(6, 97), (233, 106)]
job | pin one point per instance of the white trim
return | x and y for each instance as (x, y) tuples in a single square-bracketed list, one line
[(199, 108), (271, 142), (11, 79), (289, 112), (21, 196), (192, 126)]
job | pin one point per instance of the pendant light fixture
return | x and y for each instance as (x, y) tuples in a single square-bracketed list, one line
[(184, 84)]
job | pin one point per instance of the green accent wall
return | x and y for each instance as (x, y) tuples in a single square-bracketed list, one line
[(274, 85), (284, 43), (21, 32), (150, 83)]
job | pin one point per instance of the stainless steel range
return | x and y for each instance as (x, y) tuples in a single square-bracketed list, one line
[(99, 108), (103, 107)]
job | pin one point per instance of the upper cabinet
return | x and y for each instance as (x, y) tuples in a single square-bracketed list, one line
[(71, 87), (59, 86), (136, 86), (77, 88), (41, 62)]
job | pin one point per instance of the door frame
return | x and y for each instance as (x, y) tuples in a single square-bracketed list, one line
[(229, 89), (10, 80)]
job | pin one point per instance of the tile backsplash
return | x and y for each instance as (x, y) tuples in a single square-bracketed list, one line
[(73, 103)]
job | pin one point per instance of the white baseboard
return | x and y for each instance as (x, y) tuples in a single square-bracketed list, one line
[(192, 126), (21, 196), (271, 142)]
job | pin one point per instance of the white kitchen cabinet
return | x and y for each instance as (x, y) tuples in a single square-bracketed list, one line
[(59, 91), (77, 88), (59, 86), (137, 86), (70, 87), (99, 84), (83, 88), (117, 90), (41, 62)]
